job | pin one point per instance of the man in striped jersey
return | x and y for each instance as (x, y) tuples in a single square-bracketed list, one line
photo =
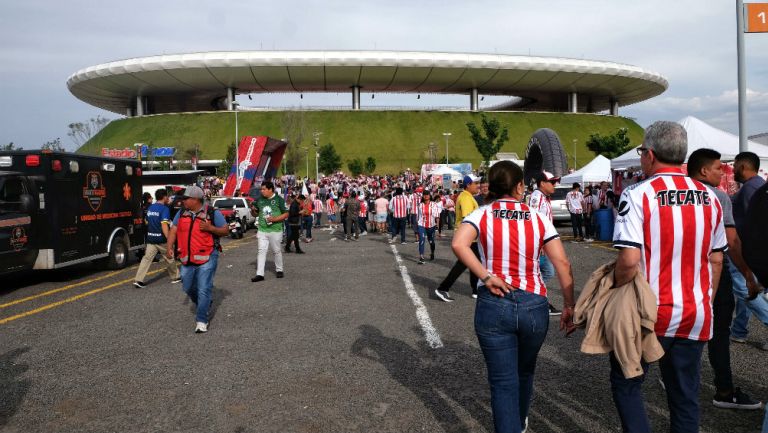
[(672, 227), (427, 214), (399, 207), (317, 207), (540, 202)]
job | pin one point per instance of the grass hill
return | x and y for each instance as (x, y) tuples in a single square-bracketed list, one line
[(396, 139)]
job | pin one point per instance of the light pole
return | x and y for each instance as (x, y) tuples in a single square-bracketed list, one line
[(306, 153), (237, 146), (574, 154), (446, 135), (316, 136)]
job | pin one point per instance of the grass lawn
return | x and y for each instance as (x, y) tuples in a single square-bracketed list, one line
[(396, 139)]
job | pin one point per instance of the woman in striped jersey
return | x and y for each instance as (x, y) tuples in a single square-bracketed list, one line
[(512, 315)]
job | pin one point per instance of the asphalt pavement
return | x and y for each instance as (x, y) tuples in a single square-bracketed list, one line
[(351, 340)]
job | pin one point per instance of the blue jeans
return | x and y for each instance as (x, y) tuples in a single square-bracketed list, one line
[(197, 283), (307, 220), (547, 269), (744, 308), (426, 234), (361, 222), (681, 371), (510, 331)]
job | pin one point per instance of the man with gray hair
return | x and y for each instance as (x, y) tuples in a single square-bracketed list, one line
[(672, 227)]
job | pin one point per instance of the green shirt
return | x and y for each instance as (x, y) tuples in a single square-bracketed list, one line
[(274, 206)]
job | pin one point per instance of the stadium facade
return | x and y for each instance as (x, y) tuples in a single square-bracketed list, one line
[(210, 81)]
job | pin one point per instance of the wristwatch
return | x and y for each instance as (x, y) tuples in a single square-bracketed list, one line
[(486, 278)]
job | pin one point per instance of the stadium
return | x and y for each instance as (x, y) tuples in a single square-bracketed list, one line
[(185, 99)]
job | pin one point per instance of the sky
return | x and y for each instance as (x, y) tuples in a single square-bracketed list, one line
[(691, 43)]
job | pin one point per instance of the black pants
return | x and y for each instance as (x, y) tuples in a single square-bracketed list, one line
[(293, 236), (590, 233), (576, 222), (720, 344), (456, 271)]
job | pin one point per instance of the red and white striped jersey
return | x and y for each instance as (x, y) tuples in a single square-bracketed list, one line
[(317, 204), (363, 208), (399, 206), (677, 223), (541, 204), (330, 204), (510, 236), (426, 213)]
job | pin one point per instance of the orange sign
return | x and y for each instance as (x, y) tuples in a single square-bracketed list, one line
[(757, 17)]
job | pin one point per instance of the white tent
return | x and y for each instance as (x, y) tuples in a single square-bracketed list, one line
[(598, 170), (700, 135), (444, 169)]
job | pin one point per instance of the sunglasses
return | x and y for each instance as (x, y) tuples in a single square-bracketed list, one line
[(642, 150)]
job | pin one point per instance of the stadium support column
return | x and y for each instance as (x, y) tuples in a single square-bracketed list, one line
[(355, 97), (140, 101), (473, 99), (129, 112), (614, 107), (230, 98), (573, 102)]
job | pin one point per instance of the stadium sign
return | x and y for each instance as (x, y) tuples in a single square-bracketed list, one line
[(157, 152), (757, 17)]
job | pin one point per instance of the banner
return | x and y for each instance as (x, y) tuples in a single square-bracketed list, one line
[(248, 157)]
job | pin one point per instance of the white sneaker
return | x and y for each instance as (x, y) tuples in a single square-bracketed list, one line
[(364, 234), (589, 240), (201, 327)]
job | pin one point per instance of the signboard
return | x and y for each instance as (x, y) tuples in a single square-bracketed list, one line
[(157, 152), (757, 17)]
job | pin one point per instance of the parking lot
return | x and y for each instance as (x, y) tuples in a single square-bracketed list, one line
[(350, 340)]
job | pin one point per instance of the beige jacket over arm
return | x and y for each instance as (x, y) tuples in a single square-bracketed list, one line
[(619, 320)]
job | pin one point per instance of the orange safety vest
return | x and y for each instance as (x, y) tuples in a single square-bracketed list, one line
[(194, 245)]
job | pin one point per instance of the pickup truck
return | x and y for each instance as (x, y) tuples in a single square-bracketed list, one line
[(239, 205)]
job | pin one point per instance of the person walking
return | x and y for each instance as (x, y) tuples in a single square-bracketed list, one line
[(195, 232), (362, 217), (427, 214), (705, 166), (465, 204), (381, 206), (573, 201), (672, 227), (272, 212), (540, 202), (511, 316), (352, 226), (294, 224), (317, 208), (307, 218), (399, 207), (158, 220)]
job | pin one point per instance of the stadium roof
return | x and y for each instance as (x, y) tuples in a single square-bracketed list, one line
[(199, 81)]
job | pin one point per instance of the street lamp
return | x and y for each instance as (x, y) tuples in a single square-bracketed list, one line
[(316, 136), (306, 153), (446, 135), (235, 104), (574, 154)]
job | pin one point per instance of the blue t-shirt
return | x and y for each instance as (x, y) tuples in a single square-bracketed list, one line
[(157, 215)]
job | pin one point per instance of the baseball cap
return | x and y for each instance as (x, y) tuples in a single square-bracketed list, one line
[(193, 191), (469, 179), (546, 176)]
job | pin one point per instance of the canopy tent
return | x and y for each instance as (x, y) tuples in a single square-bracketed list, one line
[(598, 170), (700, 135), (442, 170)]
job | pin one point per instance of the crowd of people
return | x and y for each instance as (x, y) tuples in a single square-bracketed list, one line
[(679, 276)]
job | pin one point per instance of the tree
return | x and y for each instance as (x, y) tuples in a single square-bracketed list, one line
[(10, 146), (294, 127), (81, 132), (495, 137), (329, 161), (370, 165), (355, 166), (610, 146), (54, 145), (226, 164)]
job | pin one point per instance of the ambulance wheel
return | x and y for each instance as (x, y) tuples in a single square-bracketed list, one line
[(118, 254)]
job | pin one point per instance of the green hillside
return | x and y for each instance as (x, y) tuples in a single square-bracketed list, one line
[(397, 139)]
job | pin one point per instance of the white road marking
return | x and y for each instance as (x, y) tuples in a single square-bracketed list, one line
[(430, 333)]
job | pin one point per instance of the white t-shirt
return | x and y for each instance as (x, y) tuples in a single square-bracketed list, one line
[(573, 201)]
